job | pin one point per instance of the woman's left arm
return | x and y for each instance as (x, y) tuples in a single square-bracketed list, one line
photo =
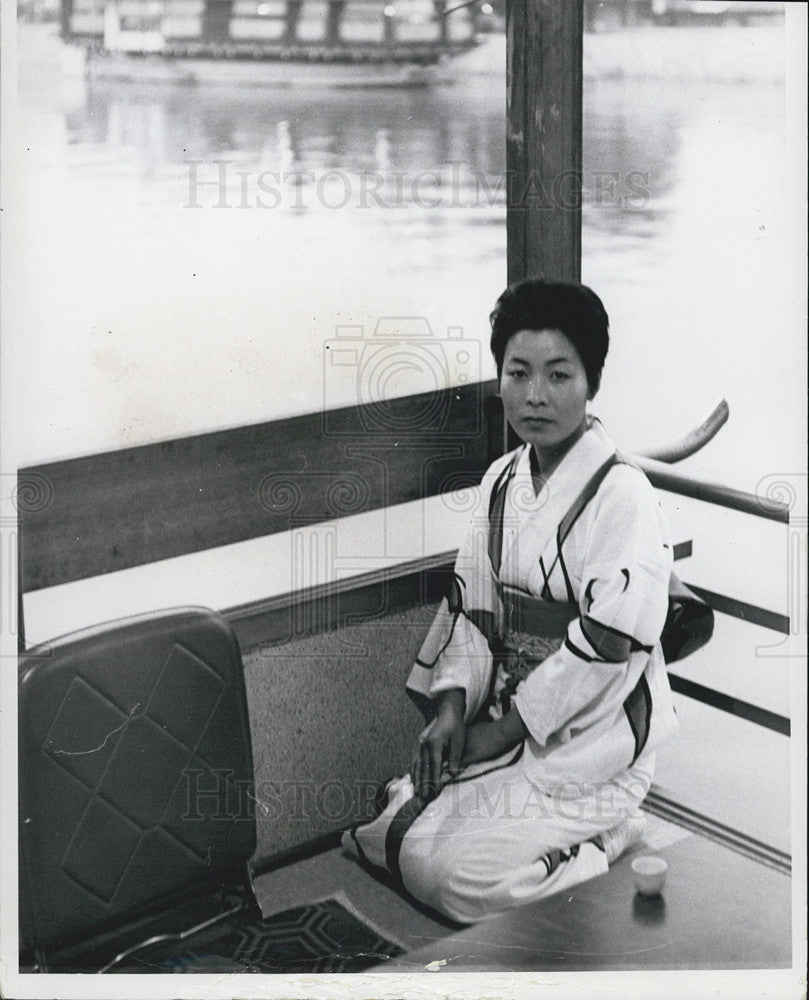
[(625, 558)]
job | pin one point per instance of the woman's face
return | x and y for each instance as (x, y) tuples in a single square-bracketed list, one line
[(544, 389)]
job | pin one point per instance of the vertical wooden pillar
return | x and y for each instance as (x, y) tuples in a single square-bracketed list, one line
[(293, 15), (439, 7), (216, 21), (65, 19), (390, 28), (335, 16), (544, 138)]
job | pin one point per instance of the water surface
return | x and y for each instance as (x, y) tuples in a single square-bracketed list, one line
[(184, 244)]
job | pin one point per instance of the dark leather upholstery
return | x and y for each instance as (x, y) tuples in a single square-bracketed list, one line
[(136, 773)]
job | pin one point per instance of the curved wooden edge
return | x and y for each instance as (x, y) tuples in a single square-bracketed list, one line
[(695, 439)]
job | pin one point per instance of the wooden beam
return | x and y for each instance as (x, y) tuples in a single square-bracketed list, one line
[(328, 607), (733, 706), (361, 598), (65, 18), (87, 516), (544, 138)]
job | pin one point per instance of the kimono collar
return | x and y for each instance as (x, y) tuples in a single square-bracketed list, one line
[(534, 518), (592, 449)]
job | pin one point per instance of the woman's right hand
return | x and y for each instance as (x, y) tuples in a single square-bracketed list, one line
[(444, 741)]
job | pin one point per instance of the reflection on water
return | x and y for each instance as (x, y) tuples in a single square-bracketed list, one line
[(405, 130), (207, 236)]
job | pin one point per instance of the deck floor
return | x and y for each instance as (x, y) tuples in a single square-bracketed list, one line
[(334, 873)]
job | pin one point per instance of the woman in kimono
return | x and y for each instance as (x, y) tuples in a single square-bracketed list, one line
[(543, 672)]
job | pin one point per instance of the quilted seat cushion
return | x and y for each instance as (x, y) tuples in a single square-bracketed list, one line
[(136, 772)]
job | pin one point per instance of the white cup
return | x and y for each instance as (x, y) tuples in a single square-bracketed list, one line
[(649, 874)]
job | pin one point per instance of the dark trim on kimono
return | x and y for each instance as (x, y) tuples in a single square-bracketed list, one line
[(499, 767), (613, 644), (571, 596), (497, 503), (582, 500), (553, 859), (546, 594), (496, 488), (429, 666), (358, 848), (399, 825), (455, 593), (410, 811), (454, 596), (483, 621), (638, 708), (574, 649)]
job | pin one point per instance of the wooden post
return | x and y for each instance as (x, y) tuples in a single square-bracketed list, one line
[(216, 21), (65, 19), (293, 15), (390, 27), (439, 7), (335, 16), (544, 138)]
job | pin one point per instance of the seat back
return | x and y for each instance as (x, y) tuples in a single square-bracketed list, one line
[(136, 772)]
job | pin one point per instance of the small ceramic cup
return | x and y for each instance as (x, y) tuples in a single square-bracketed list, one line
[(649, 874)]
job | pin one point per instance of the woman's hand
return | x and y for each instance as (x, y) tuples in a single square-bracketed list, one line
[(487, 740), (443, 742)]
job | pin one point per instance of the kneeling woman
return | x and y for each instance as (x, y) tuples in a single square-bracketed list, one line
[(543, 671)]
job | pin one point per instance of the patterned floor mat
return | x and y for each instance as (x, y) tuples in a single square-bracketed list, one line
[(317, 937)]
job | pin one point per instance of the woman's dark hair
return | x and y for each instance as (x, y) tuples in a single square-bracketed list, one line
[(575, 310)]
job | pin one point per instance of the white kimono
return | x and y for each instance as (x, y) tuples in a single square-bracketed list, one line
[(594, 695)]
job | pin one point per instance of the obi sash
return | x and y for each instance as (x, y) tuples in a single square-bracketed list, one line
[(530, 630)]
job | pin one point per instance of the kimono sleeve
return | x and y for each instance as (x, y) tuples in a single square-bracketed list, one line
[(623, 601), (456, 652)]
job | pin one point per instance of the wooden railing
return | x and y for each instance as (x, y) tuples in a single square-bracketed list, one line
[(93, 515)]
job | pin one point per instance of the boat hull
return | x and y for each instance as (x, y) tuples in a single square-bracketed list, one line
[(202, 71)]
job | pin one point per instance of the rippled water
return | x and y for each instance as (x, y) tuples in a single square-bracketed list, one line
[(190, 252)]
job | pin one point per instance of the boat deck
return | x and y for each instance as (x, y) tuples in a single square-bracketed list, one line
[(333, 873), (718, 910)]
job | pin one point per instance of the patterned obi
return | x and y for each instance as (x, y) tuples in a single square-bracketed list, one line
[(531, 630)]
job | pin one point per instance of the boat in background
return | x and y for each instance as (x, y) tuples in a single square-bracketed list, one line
[(334, 43)]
